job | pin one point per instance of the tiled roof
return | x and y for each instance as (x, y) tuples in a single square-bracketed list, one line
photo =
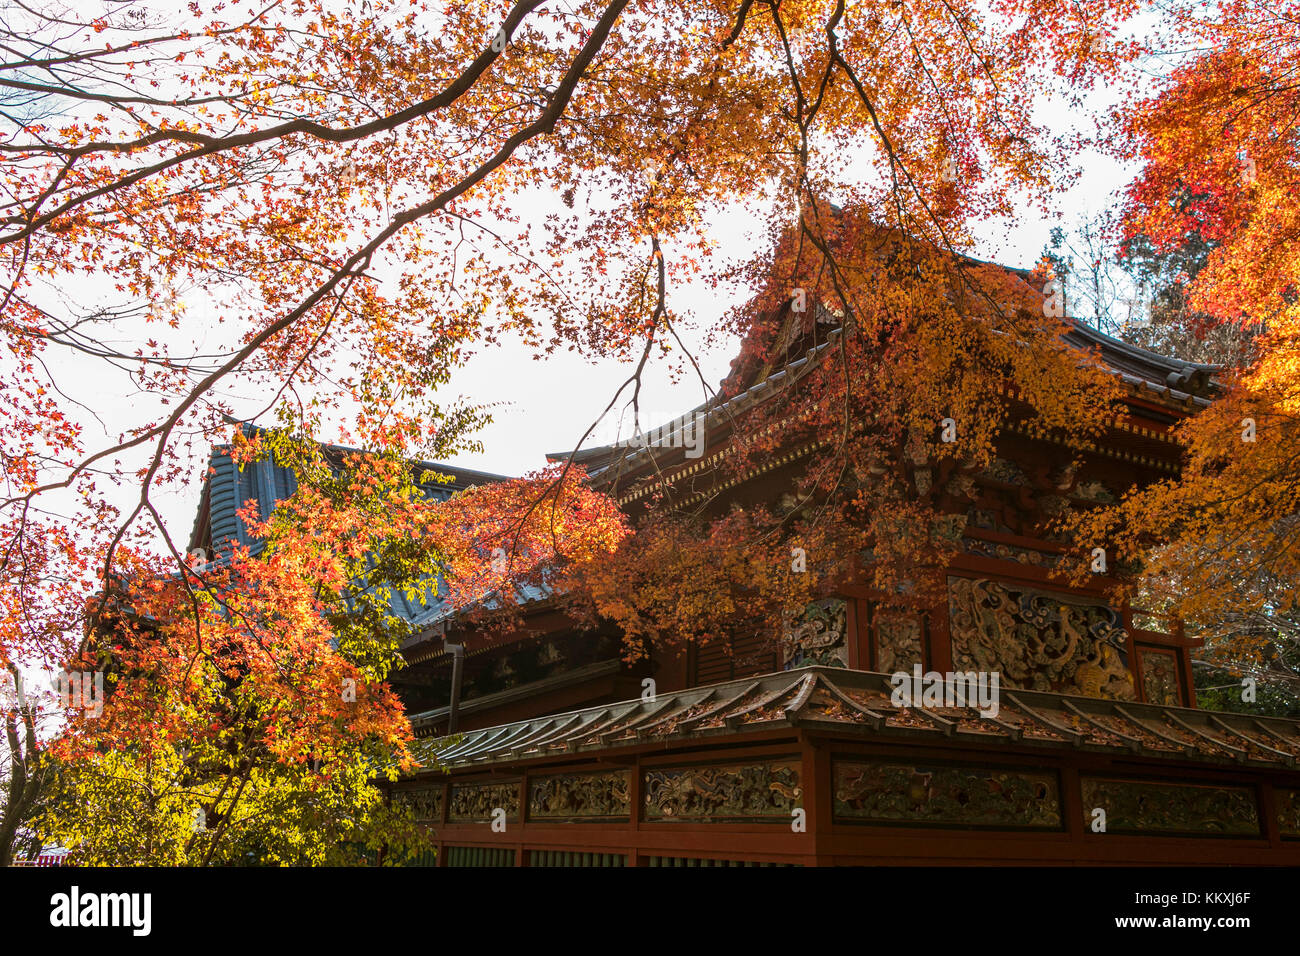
[(1170, 378), (601, 459), (523, 594), (227, 487), (858, 703), (1183, 383)]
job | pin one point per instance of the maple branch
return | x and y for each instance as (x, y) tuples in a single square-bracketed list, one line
[(355, 264), (209, 145)]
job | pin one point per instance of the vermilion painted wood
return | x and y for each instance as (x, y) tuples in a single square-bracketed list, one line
[(828, 843)]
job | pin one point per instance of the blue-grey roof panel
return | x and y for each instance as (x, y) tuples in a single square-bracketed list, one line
[(229, 487)]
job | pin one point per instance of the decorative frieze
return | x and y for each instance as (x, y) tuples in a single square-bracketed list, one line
[(898, 641), (1038, 640), (763, 791), (1004, 471), (581, 796), (475, 802), (913, 794), (425, 803), (946, 530), (1000, 551), (1164, 809), (1094, 491)]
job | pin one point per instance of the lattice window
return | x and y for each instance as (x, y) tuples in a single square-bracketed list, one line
[(570, 858), (700, 861), (480, 856)]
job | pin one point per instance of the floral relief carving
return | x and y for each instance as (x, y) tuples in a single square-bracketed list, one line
[(819, 636), (1160, 678)]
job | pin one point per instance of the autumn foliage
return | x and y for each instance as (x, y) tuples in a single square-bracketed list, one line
[(511, 542), (245, 714), (321, 211), (1217, 144)]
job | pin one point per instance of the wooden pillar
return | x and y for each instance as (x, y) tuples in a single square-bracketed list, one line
[(635, 803), (815, 775), (1072, 809)]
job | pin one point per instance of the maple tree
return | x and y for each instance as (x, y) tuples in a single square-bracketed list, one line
[(875, 505), (1218, 148), (502, 541), (246, 716), (336, 190), (48, 577)]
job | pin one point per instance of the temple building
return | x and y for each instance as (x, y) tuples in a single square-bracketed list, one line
[(544, 748)]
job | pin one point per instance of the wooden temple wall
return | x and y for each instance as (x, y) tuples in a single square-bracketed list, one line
[(861, 803)]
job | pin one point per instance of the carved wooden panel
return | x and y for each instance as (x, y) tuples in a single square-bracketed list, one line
[(425, 803), (1160, 683), (1288, 813), (475, 802), (878, 791), (1000, 551), (819, 636), (581, 796), (1164, 809), (1004, 471), (1038, 640), (760, 791), (898, 641)]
